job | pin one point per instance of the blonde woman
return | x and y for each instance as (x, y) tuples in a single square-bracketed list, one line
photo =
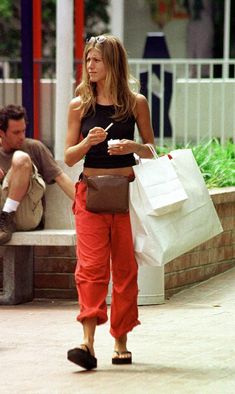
[(104, 109)]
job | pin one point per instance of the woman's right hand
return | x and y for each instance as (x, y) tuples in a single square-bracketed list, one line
[(96, 135)]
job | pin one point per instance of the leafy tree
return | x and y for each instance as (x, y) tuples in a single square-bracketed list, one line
[(96, 21), (96, 16), (10, 28)]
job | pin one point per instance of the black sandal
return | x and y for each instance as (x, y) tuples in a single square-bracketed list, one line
[(122, 360), (82, 357)]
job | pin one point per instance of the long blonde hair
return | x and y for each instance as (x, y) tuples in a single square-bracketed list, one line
[(118, 78)]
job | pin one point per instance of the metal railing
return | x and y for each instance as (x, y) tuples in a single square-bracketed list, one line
[(190, 100), (194, 99)]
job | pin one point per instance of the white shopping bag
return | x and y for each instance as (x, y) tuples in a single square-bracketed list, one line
[(159, 239), (161, 189)]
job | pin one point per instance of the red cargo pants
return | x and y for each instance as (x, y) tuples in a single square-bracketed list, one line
[(105, 245)]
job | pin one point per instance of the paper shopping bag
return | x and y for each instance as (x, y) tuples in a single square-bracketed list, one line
[(161, 189), (159, 239)]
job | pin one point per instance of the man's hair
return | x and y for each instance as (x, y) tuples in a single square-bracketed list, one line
[(11, 112)]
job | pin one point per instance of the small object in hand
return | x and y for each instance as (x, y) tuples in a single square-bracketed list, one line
[(113, 142), (108, 127)]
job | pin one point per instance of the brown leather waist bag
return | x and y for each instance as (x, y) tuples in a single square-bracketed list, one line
[(107, 193)]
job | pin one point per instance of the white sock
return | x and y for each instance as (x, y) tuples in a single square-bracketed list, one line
[(10, 205)]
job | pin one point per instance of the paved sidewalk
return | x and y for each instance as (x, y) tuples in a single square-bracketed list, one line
[(185, 346)]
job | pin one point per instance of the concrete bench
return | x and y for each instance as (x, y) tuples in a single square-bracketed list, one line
[(18, 252)]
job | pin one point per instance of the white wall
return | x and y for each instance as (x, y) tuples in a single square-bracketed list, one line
[(223, 115), (207, 108)]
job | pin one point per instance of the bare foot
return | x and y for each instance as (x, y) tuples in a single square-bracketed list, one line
[(120, 349), (84, 346)]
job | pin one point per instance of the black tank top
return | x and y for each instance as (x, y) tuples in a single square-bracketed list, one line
[(97, 156)]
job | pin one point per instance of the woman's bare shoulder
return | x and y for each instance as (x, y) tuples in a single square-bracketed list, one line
[(76, 108), (141, 99), (75, 103), (141, 105)]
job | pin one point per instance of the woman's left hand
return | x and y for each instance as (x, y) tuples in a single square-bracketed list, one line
[(124, 147)]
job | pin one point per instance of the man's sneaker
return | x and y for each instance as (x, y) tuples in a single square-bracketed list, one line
[(7, 226)]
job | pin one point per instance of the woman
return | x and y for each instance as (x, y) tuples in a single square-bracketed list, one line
[(104, 240)]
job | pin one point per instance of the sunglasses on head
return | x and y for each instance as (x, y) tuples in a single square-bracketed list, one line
[(94, 40)]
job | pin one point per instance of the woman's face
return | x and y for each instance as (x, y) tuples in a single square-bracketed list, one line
[(95, 66)]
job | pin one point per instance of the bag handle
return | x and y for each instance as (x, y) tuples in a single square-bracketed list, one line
[(153, 151), (155, 155)]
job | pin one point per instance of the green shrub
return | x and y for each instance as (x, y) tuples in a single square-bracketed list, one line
[(216, 161)]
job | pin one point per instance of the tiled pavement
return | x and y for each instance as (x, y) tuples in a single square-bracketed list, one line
[(185, 346)]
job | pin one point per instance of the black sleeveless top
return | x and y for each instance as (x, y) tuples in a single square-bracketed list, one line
[(97, 156)]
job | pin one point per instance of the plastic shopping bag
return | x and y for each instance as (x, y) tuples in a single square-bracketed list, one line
[(159, 239)]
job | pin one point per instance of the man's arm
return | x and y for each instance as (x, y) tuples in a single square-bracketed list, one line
[(1, 171), (1, 174), (66, 185)]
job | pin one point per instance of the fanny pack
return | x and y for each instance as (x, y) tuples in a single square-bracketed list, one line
[(107, 193)]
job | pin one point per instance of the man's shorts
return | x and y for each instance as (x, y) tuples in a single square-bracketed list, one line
[(30, 211)]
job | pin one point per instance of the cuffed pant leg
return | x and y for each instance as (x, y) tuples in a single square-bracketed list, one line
[(93, 267), (124, 310)]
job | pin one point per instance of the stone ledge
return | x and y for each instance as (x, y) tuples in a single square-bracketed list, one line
[(222, 195), (47, 237)]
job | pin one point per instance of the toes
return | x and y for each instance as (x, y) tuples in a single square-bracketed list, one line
[(123, 357), (123, 354)]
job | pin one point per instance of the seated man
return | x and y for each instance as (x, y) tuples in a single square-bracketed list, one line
[(25, 166)]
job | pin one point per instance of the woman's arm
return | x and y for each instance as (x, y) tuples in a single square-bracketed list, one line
[(75, 149), (143, 121)]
